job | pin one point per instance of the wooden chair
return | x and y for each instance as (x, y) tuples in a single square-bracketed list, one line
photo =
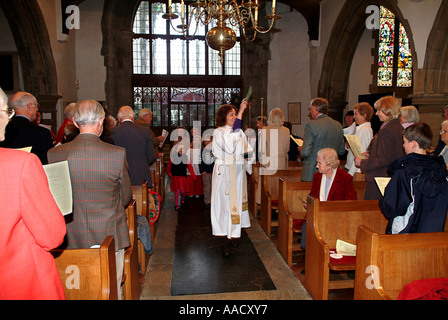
[(131, 281), (88, 274), (270, 195), (328, 221), (386, 263), (291, 208)]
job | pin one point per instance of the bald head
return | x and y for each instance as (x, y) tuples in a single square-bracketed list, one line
[(24, 104), (125, 113)]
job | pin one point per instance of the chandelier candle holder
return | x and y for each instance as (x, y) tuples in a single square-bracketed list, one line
[(221, 37)]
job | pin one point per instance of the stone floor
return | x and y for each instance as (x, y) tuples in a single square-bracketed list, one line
[(157, 281)]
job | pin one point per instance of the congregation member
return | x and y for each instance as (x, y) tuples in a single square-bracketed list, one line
[(415, 199), (137, 141), (293, 153), (363, 113), (329, 183), (229, 185), (196, 187), (385, 147), (321, 132), (145, 120), (441, 144), (206, 169), (177, 169), (68, 119), (444, 138), (275, 142), (31, 225), (101, 186), (21, 132), (408, 116), (274, 147)]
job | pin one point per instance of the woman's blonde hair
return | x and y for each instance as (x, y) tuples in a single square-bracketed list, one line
[(390, 106), (276, 117)]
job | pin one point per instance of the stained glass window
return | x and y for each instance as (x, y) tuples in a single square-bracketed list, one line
[(164, 61), (394, 53)]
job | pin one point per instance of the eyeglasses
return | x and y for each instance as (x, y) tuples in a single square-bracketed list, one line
[(443, 131), (10, 112)]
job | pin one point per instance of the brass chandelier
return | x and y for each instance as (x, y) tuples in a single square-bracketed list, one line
[(221, 37)]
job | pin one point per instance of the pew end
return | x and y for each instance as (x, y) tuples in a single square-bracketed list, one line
[(386, 263), (88, 274), (131, 281), (328, 221)]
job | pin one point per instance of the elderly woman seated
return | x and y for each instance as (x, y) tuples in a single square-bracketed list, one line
[(330, 183)]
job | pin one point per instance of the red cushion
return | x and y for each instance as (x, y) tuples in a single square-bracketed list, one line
[(274, 203), (343, 260)]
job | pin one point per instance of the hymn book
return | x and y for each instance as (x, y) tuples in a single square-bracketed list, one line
[(299, 142), (382, 183), (355, 145), (345, 248), (58, 176)]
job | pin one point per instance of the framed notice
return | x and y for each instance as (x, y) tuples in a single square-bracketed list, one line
[(294, 112)]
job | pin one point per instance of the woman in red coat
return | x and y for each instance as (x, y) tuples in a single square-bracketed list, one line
[(31, 224), (329, 184)]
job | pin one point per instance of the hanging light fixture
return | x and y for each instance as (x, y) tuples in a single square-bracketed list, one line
[(221, 37)]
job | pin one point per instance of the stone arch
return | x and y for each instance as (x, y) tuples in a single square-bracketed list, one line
[(33, 44), (344, 40), (436, 62)]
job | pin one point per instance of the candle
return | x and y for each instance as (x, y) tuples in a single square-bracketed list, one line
[(182, 9), (273, 4), (256, 15)]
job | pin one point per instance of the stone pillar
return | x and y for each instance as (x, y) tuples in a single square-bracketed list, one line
[(47, 105)]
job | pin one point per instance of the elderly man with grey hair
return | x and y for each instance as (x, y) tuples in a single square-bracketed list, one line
[(144, 120), (21, 132), (321, 132), (137, 141), (100, 183)]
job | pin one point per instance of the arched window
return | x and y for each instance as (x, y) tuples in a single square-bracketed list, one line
[(394, 68), (180, 80)]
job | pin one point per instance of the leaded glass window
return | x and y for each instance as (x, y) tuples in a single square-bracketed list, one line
[(178, 78), (394, 53)]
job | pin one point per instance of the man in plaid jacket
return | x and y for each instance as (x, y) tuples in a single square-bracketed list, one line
[(100, 183)]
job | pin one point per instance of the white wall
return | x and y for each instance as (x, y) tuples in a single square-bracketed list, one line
[(90, 69), (289, 70)]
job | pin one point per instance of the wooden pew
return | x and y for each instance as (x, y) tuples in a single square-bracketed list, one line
[(131, 281), (140, 195), (397, 260), (253, 181), (270, 195), (328, 221), (291, 208), (292, 195), (88, 274)]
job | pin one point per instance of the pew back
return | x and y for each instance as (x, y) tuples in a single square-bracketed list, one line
[(131, 281), (326, 223), (270, 194), (292, 197), (88, 274), (386, 263)]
